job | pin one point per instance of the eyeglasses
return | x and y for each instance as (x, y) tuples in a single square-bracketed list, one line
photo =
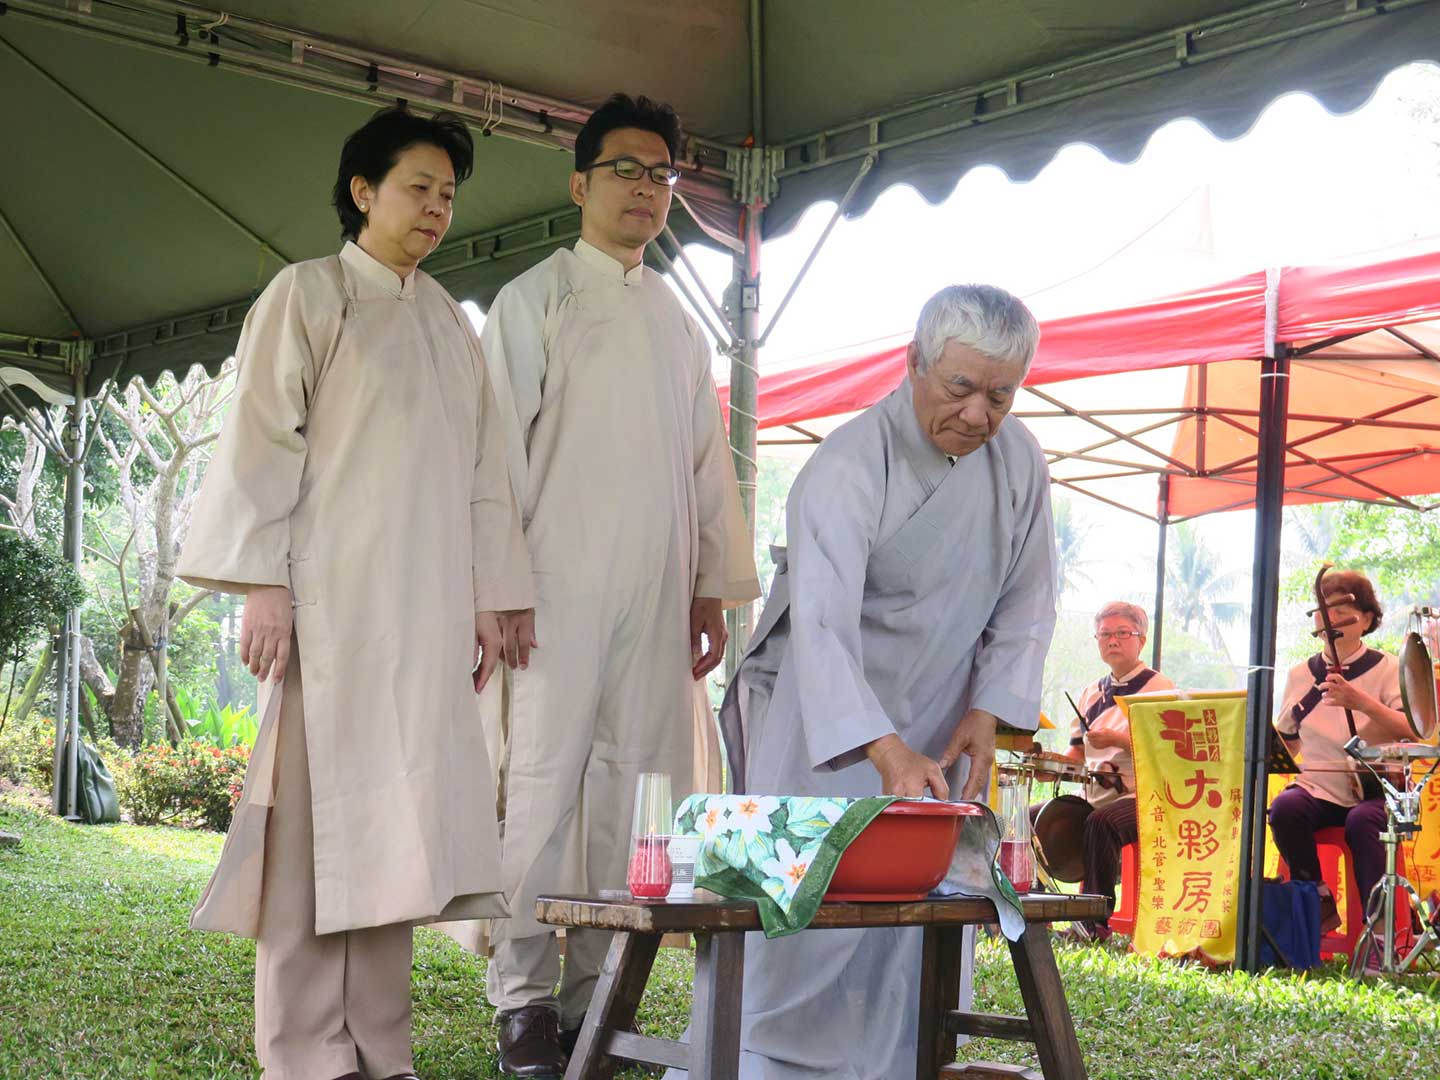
[(1118, 635), (627, 168)]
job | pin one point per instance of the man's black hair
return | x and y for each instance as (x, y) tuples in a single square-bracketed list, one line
[(623, 111), (372, 151)]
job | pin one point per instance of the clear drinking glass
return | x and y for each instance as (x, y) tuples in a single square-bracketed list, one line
[(649, 874), (1016, 861)]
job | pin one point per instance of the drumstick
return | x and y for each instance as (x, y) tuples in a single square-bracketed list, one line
[(1084, 724)]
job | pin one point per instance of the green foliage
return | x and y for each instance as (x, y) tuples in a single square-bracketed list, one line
[(37, 587), (1072, 663), (190, 656), (1194, 664), (772, 490), (27, 752), (1071, 533), (1198, 592), (195, 781), (1398, 550), (220, 727)]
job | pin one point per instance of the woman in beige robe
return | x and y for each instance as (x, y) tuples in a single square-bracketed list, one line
[(361, 480)]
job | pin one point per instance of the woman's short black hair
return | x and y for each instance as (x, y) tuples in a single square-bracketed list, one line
[(1357, 585), (372, 151), (623, 111)]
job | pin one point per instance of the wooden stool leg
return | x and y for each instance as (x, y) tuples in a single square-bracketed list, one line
[(715, 1009), (1045, 1005), (940, 963), (617, 996)]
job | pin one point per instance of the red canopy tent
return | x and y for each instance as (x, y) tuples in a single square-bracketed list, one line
[(1364, 395)]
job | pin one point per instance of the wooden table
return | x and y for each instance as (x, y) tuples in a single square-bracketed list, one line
[(713, 1049)]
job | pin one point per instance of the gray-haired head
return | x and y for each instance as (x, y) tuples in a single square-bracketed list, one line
[(1123, 609), (982, 317)]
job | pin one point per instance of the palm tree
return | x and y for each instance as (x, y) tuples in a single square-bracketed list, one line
[(1070, 534), (1196, 587)]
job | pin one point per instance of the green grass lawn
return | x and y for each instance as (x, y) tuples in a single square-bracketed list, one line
[(99, 978)]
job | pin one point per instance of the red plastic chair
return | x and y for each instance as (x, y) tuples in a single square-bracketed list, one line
[(1333, 851), (1123, 919)]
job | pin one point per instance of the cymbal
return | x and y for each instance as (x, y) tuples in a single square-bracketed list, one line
[(1417, 686)]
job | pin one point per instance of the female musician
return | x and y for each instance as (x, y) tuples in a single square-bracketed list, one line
[(1328, 792)]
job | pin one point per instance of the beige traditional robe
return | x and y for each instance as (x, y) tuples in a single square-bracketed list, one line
[(620, 459), (361, 465)]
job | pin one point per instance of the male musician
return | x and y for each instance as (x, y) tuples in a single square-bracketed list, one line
[(1101, 740)]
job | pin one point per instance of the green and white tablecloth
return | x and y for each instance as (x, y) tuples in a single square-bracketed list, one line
[(781, 851)]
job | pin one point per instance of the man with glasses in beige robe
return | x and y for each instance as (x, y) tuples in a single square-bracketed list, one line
[(635, 529)]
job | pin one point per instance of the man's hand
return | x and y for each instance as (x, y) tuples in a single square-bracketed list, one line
[(489, 644), (974, 738), (265, 631), (518, 630), (903, 772), (707, 616)]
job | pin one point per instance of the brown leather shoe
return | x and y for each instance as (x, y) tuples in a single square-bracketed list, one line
[(529, 1043)]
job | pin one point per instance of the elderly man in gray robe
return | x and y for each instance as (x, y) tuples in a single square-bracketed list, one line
[(910, 615)]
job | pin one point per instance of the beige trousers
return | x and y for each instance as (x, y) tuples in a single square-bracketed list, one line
[(324, 1005), (524, 971)]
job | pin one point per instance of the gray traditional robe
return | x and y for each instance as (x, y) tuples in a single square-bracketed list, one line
[(912, 591)]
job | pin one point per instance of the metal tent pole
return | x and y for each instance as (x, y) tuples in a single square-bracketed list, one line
[(65, 794), (1157, 624), (1264, 613), (745, 295), (744, 388)]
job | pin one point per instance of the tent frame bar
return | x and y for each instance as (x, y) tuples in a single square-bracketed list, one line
[(866, 164), (306, 61), (723, 342), (135, 145), (1121, 65), (35, 266), (556, 226), (24, 415), (699, 281)]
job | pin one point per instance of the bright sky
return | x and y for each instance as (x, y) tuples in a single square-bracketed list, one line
[(1090, 234)]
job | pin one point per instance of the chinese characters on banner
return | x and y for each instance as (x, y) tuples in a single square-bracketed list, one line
[(1189, 776), (1422, 858)]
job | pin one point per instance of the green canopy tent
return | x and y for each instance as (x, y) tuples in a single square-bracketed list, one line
[(167, 159)]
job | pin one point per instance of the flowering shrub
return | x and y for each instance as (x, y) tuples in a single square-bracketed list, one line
[(27, 752), (195, 781)]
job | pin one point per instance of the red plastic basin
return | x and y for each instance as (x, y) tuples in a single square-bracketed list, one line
[(901, 855)]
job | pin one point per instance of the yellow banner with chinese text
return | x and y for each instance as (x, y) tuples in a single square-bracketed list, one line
[(1189, 777), (1422, 855)]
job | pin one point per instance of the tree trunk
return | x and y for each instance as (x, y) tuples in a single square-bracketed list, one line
[(132, 687), (93, 675), (224, 692), (34, 683)]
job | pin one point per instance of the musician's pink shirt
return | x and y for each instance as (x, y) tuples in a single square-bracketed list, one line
[(1326, 770)]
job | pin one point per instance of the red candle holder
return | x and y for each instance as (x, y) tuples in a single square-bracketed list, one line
[(650, 873)]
